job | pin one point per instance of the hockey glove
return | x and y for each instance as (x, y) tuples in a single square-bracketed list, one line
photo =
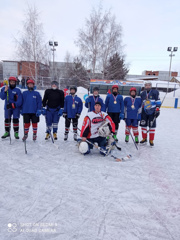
[(65, 115), (88, 100), (77, 115), (38, 113), (11, 105), (157, 112), (43, 111), (121, 116), (60, 113)]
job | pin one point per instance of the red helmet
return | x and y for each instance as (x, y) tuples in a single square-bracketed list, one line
[(133, 89), (30, 81), (115, 86), (13, 79)]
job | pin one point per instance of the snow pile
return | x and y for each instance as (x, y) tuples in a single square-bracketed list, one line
[(82, 90)]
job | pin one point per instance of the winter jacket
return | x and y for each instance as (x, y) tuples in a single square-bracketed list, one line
[(14, 95), (114, 104), (68, 106), (132, 107), (32, 102), (53, 98), (91, 100)]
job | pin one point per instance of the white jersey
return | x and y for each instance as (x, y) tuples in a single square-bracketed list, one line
[(92, 122)]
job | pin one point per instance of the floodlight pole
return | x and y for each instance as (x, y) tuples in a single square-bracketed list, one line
[(171, 55), (53, 45)]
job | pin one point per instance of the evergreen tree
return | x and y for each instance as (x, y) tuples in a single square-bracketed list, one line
[(116, 68), (79, 74)]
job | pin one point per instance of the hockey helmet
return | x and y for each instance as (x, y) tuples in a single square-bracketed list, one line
[(99, 103), (115, 86), (13, 79), (95, 89), (73, 87), (54, 83), (148, 83), (133, 89), (83, 147), (30, 81)]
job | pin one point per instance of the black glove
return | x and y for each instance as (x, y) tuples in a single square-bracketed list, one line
[(11, 105), (77, 115), (65, 115), (157, 112)]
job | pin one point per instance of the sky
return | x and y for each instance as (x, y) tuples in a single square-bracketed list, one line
[(149, 27)]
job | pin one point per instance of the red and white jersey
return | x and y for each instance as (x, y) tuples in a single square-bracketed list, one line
[(93, 121), (66, 92)]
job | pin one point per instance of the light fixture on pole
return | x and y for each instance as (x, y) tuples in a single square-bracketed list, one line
[(171, 55), (53, 45)]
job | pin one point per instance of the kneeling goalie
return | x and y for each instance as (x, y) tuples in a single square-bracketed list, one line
[(96, 127)]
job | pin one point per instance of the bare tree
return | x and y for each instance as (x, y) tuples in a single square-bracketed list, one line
[(31, 45), (100, 38)]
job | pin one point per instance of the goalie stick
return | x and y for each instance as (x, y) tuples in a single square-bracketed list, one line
[(108, 154)]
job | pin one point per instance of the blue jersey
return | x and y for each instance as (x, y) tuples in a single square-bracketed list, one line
[(72, 106), (114, 104), (91, 100), (150, 101), (132, 107), (32, 102), (15, 96)]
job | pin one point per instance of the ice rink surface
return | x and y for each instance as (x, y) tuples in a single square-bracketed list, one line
[(56, 193)]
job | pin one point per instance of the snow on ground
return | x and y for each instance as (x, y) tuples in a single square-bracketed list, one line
[(91, 197)]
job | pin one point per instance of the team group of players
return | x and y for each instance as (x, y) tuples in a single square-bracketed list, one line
[(133, 109)]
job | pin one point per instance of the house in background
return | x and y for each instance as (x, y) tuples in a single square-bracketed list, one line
[(25, 69), (162, 75)]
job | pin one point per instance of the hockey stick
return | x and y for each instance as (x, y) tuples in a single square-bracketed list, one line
[(25, 138), (50, 134), (131, 136), (106, 153), (88, 102), (9, 117)]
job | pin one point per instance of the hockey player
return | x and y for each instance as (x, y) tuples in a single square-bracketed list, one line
[(13, 101), (72, 110), (90, 128), (150, 111), (91, 100), (115, 107), (132, 111), (31, 109), (54, 102)]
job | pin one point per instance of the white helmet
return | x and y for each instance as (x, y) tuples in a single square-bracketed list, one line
[(148, 82), (83, 147)]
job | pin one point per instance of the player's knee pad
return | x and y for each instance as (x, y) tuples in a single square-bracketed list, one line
[(15, 120)]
